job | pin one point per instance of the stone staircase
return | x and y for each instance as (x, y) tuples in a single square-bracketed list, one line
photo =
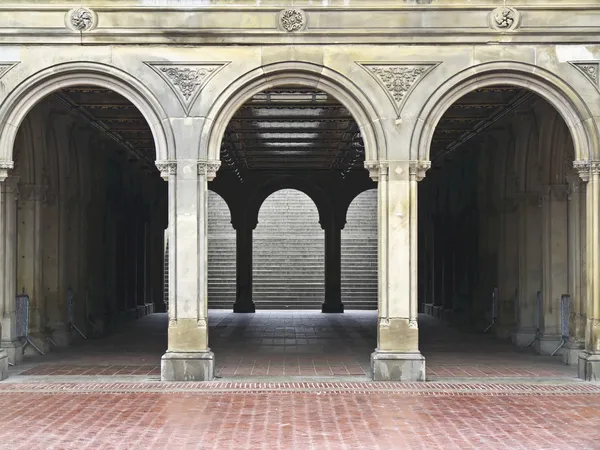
[(289, 253), (359, 253)]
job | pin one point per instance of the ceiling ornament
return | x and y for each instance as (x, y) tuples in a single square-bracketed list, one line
[(186, 80), (398, 79)]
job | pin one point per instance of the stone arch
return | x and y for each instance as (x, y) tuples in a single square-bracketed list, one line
[(294, 73), (315, 193), (39, 85), (555, 91)]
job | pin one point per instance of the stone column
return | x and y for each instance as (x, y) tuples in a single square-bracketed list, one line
[(589, 359), (333, 266), (554, 266), (576, 242), (188, 356), (530, 266), (10, 347), (397, 355), (243, 266)]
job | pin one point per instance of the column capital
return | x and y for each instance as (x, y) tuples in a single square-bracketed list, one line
[(208, 168), (585, 168), (5, 167), (166, 168), (558, 192), (377, 169), (418, 168)]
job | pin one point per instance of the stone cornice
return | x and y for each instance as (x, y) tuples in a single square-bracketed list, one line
[(192, 21)]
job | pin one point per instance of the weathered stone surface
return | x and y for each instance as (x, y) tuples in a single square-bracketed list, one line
[(390, 366), (192, 366)]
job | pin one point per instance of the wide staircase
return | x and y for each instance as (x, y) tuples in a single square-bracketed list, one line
[(289, 254), (359, 253)]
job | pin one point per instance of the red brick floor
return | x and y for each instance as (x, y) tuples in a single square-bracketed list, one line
[(322, 416), (296, 344)]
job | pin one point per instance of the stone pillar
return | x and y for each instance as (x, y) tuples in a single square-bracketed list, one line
[(589, 359), (333, 266), (8, 274), (188, 357), (530, 266), (243, 266), (554, 266), (576, 242), (397, 355), (4, 312)]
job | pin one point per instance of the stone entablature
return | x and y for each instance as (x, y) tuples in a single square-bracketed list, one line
[(195, 21)]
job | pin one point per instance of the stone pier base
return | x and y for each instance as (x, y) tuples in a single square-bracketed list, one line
[(546, 345), (14, 350), (571, 352), (3, 364), (589, 366), (192, 366), (389, 366)]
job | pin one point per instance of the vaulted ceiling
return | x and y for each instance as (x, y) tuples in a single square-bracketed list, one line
[(292, 128)]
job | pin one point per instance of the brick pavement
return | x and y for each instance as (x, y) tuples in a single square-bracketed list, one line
[(309, 416), (297, 344)]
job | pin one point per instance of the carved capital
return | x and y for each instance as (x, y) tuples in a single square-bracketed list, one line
[(417, 169), (377, 169), (5, 168), (212, 167), (81, 19), (504, 18), (556, 192), (292, 20), (166, 168), (585, 168)]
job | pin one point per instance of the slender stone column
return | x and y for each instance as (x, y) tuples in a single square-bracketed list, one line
[(188, 356), (589, 359), (4, 167), (554, 266), (397, 355), (8, 272), (333, 266), (243, 266), (576, 233), (530, 266)]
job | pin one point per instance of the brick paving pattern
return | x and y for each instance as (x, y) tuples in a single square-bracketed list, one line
[(320, 419), (296, 344)]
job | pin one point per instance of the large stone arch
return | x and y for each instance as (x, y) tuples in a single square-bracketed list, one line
[(293, 73), (33, 89), (554, 90)]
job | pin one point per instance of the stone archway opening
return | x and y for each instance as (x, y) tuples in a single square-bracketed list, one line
[(84, 212), (500, 238), (292, 160)]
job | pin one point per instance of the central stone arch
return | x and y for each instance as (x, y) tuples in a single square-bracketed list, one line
[(299, 74)]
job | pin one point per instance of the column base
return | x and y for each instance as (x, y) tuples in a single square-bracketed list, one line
[(332, 308), (523, 338), (546, 345), (244, 307), (571, 352), (3, 364), (589, 366), (192, 366), (390, 366), (15, 350)]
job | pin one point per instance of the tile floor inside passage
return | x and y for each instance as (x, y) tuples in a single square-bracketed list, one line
[(294, 345)]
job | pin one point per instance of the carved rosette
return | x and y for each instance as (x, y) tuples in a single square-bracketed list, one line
[(292, 20), (81, 19), (417, 169), (398, 80), (185, 79), (166, 168), (504, 18)]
